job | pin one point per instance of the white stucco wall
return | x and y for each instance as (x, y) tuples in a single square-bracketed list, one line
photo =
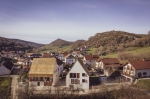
[(142, 71), (33, 83), (4, 70), (70, 60), (101, 65), (20, 63), (77, 68), (55, 75)]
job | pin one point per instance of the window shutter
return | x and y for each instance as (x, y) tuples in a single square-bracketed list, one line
[(78, 75)]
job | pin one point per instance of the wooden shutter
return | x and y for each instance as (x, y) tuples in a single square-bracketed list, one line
[(78, 75)]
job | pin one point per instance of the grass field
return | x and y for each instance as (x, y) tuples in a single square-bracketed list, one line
[(143, 84), (57, 49), (5, 87), (91, 50), (131, 50)]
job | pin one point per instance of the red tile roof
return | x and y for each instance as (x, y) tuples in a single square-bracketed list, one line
[(140, 64), (91, 57), (111, 62), (46, 55), (64, 53)]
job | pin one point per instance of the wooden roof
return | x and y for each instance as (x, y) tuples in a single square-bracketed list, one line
[(43, 66), (91, 57)]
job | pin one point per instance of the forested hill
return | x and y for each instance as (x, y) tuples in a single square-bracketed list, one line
[(16, 44), (116, 40)]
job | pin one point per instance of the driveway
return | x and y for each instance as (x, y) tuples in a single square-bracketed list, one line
[(14, 85)]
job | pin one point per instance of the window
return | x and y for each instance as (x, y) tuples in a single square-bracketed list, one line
[(48, 79), (72, 81), (84, 75), (41, 78), (75, 81), (84, 81), (144, 73), (72, 75), (31, 79), (36, 78)]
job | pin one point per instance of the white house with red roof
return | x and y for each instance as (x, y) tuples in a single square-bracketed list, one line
[(78, 76), (136, 69), (90, 59)]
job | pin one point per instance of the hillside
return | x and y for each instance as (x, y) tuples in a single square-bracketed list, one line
[(57, 45), (109, 42), (16, 44), (78, 43), (59, 42), (113, 41)]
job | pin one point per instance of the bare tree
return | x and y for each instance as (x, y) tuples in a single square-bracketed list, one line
[(25, 92)]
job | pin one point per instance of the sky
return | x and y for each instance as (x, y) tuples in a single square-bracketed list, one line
[(43, 21)]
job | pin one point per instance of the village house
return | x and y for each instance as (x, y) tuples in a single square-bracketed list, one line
[(17, 56), (45, 71), (108, 65), (136, 69), (69, 59), (77, 54), (26, 64), (6, 67), (62, 55), (90, 59), (78, 76)]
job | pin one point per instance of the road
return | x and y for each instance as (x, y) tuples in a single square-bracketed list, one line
[(14, 85)]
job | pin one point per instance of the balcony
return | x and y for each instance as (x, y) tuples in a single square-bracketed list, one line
[(42, 79), (126, 74)]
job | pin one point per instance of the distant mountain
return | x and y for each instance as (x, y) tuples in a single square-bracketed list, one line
[(16, 44), (59, 42)]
